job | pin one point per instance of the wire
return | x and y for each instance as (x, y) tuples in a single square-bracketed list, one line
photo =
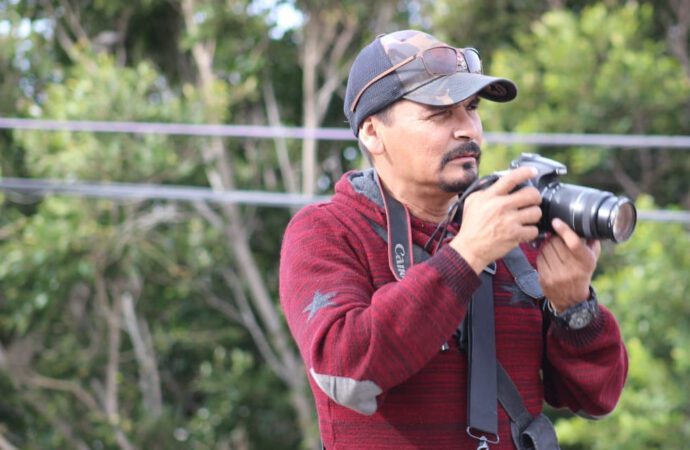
[(133, 191), (336, 134), (130, 191)]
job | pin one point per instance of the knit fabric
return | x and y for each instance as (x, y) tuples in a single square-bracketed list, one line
[(371, 344)]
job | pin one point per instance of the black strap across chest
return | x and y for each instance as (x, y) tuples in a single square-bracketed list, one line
[(487, 379)]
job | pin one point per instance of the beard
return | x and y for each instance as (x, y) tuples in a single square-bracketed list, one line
[(470, 170)]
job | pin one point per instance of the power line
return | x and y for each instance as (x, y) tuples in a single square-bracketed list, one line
[(664, 215), (133, 191), (336, 134)]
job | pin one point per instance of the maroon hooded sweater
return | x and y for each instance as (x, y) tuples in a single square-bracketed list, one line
[(371, 344)]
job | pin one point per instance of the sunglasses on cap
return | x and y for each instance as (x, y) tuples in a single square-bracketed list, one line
[(438, 61)]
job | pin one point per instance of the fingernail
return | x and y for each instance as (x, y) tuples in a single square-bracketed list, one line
[(535, 172), (557, 223)]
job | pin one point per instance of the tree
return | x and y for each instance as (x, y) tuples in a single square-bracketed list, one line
[(645, 284), (595, 73), (214, 58)]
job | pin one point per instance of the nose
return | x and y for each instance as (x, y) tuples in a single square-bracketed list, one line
[(468, 125)]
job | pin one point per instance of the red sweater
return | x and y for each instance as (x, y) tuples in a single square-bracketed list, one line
[(371, 344)]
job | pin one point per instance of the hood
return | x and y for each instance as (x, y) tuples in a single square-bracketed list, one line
[(359, 190)]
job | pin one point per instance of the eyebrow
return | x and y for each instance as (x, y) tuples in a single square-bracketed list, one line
[(439, 108)]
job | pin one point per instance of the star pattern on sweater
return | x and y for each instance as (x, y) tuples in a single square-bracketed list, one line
[(319, 302), (517, 295)]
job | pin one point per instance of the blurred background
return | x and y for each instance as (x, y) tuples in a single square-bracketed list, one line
[(152, 153)]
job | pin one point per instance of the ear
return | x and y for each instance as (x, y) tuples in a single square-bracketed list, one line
[(370, 135)]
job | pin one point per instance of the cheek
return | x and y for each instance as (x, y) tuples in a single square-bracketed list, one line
[(479, 128)]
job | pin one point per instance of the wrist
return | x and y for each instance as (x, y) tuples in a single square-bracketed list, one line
[(559, 304), (577, 316), (471, 257)]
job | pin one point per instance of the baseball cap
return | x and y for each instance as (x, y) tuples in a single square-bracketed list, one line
[(412, 80)]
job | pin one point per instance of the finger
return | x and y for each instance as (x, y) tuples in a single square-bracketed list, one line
[(554, 251), (529, 233), (595, 246), (512, 179), (570, 238), (580, 252), (529, 215), (524, 197), (543, 266)]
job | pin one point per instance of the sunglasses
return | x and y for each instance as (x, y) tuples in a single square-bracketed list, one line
[(438, 61)]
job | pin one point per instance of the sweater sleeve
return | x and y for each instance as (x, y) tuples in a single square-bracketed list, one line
[(358, 342), (585, 370)]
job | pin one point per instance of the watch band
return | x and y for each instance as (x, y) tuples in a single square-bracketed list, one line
[(577, 316)]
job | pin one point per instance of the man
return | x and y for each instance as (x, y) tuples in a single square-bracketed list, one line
[(376, 336)]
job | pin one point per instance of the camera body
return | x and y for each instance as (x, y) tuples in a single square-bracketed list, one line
[(592, 213)]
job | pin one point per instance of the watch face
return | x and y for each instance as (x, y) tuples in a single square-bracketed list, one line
[(580, 319)]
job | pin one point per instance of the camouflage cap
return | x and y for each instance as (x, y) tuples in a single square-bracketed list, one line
[(412, 81)]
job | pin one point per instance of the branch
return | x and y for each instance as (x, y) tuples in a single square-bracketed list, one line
[(629, 186), (74, 21), (110, 401), (273, 113), (132, 229), (202, 52), (5, 444), (677, 34), (249, 321), (210, 215), (63, 426), (335, 73), (63, 38), (223, 307), (149, 379), (72, 387)]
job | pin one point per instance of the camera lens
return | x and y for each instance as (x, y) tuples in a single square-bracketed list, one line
[(590, 212), (621, 217)]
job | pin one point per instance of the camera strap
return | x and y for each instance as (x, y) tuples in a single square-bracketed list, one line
[(482, 390), (487, 379), (399, 235)]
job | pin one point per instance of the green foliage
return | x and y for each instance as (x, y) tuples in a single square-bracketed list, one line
[(644, 283), (100, 90), (603, 69), (65, 265), (67, 262), (598, 72)]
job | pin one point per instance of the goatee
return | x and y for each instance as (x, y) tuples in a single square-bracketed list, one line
[(471, 149)]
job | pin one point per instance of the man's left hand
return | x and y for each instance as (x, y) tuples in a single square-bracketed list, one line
[(565, 265)]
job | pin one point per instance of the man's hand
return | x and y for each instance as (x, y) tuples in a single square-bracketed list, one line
[(496, 220), (565, 265)]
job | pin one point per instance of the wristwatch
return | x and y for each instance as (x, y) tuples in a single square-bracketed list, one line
[(577, 316)]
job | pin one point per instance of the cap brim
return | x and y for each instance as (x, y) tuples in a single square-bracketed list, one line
[(455, 88)]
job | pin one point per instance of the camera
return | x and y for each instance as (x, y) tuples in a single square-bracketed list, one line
[(590, 212)]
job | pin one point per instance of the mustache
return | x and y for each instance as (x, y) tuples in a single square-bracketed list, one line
[(470, 148)]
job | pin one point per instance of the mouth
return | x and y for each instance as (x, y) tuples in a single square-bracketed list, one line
[(467, 155), (468, 160)]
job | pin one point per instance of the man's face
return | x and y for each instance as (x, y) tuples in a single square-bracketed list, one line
[(433, 147)]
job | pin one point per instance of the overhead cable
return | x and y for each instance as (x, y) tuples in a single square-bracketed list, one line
[(336, 134), (132, 191)]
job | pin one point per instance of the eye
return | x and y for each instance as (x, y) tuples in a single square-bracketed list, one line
[(474, 104), (440, 113)]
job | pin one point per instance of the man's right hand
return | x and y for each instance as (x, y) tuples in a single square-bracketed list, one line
[(496, 220)]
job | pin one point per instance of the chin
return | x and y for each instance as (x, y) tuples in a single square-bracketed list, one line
[(458, 183)]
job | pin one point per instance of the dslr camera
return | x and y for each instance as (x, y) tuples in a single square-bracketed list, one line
[(592, 213)]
